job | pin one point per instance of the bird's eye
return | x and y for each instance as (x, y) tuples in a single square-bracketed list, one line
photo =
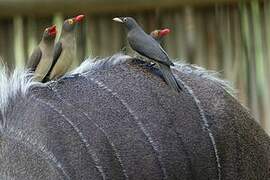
[(125, 19), (70, 21)]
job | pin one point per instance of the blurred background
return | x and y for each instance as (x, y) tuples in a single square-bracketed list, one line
[(229, 36)]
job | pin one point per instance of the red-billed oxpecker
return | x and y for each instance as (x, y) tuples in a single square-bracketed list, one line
[(40, 60), (158, 34), (147, 46), (65, 49)]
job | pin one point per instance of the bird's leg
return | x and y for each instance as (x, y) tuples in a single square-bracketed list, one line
[(151, 64), (124, 50)]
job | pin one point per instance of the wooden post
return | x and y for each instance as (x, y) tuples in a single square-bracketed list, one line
[(18, 41), (89, 31), (188, 45), (170, 40), (247, 43), (117, 40), (105, 34), (262, 83), (31, 35), (201, 53)]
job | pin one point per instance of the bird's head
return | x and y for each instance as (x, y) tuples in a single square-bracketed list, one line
[(50, 33), (69, 24), (129, 22), (160, 33)]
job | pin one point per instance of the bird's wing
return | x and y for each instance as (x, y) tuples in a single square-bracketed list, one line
[(56, 53), (34, 59), (147, 46)]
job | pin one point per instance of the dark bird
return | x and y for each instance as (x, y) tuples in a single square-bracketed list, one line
[(64, 51), (158, 34), (147, 46), (40, 60)]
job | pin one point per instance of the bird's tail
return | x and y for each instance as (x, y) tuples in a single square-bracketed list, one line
[(169, 77)]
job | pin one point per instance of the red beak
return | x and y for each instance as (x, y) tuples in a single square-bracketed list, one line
[(52, 30), (164, 32), (79, 18)]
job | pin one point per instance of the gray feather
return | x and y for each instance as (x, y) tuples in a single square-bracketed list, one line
[(34, 59), (169, 77), (56, 53), (147, 46)]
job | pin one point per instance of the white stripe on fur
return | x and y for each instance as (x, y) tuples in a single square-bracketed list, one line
[(100, 63)]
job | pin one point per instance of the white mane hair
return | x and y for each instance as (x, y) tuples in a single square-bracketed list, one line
[(20, 80), (213, 76), (99, 64), (12, 84)]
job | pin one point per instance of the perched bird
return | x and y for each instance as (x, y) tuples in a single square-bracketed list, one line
[(40, 60), (147, 46), (65, 49), (158, 34)]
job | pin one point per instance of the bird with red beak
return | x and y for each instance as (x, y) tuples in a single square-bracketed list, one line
[(65, 49), (158, 34), (40, 60)]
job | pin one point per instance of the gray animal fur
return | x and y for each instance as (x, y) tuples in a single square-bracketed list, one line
[(117, 119)]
